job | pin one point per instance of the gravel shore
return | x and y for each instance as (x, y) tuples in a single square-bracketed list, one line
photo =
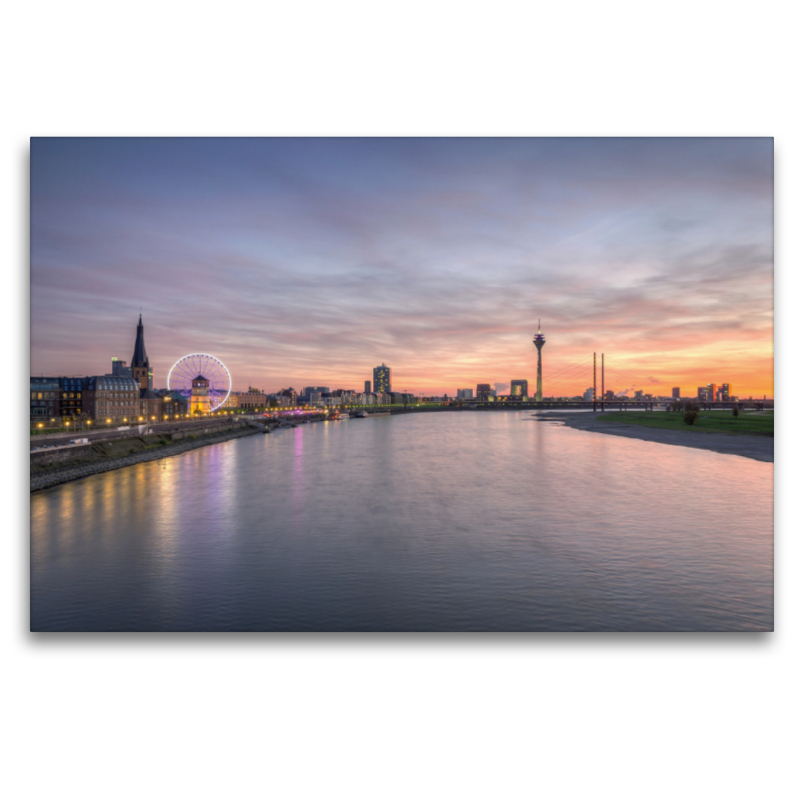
[(76, 470), (760, 448)]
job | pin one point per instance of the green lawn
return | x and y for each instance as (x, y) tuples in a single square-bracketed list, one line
[(748, 422)]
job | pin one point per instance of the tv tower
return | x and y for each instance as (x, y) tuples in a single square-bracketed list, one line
[(539, 341)]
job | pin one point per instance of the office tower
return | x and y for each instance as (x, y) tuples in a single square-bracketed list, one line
[(539, 341), (676, 392), (367, 387), (711, 392), (119, 369), (464, 394), (725, 392), (382, 379), (519, 388), (483, 391)]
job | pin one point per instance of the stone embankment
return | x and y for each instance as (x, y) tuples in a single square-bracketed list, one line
[(63, 473)]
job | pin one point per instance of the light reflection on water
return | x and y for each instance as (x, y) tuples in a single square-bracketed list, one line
[(440, 521)]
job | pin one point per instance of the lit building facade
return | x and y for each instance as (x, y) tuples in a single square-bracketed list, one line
[(200, 401), (483, 392), (45, 399), (109, 397), (382, 379), (519, 388), (71, 404), (253, 398), (464, 394)]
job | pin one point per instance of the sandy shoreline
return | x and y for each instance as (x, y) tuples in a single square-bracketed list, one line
[(760, 448)]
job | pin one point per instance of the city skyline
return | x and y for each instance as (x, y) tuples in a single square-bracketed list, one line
[(310, 261)]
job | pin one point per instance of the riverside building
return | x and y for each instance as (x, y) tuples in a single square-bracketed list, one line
[(382, 379), (45, 399), (519, 388)]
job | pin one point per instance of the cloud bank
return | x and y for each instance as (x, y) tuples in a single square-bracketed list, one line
[(309, 261)]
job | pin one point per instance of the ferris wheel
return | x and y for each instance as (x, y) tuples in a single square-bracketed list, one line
[(201, 365)]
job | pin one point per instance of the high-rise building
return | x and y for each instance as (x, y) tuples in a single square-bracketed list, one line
[(539, 341), (519, 388), (711, 392), (367, 387), (588, 395), (676, 392), (140, 364), (483, 392), (119, 369), (318, 389), (382, 379), (702, 394), (464, 394), (725, 392)]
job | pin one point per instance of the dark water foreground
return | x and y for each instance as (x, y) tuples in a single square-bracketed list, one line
[(463, 521)]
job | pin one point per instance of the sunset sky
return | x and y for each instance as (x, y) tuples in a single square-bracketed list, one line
[(310, 261)]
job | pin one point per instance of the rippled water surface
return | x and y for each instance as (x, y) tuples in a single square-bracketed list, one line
[(440, 521)]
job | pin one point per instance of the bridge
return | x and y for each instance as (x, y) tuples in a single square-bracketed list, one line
[(618, 404)]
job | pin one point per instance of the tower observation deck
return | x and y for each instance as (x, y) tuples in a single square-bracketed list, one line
[(539, 341)]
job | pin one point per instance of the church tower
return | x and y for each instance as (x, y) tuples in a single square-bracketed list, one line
[(140, 365)]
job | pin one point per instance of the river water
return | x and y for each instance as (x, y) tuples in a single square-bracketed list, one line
[(435, 521)]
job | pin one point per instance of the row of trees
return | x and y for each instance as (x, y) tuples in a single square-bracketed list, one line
[(691, 410)]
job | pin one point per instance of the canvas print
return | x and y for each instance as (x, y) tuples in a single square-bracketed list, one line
[(401, 384)]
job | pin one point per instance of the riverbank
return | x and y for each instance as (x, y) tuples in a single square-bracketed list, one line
[(759, 448), (55, 474)]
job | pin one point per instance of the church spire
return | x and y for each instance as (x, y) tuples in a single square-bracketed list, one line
[(140, 364), (139, 353)]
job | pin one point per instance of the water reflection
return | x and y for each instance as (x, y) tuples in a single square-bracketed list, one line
[(423, 522)]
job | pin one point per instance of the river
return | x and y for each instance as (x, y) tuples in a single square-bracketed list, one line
[(420, 522)]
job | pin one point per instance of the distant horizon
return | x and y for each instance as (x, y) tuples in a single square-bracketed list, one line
[(292, 259)]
